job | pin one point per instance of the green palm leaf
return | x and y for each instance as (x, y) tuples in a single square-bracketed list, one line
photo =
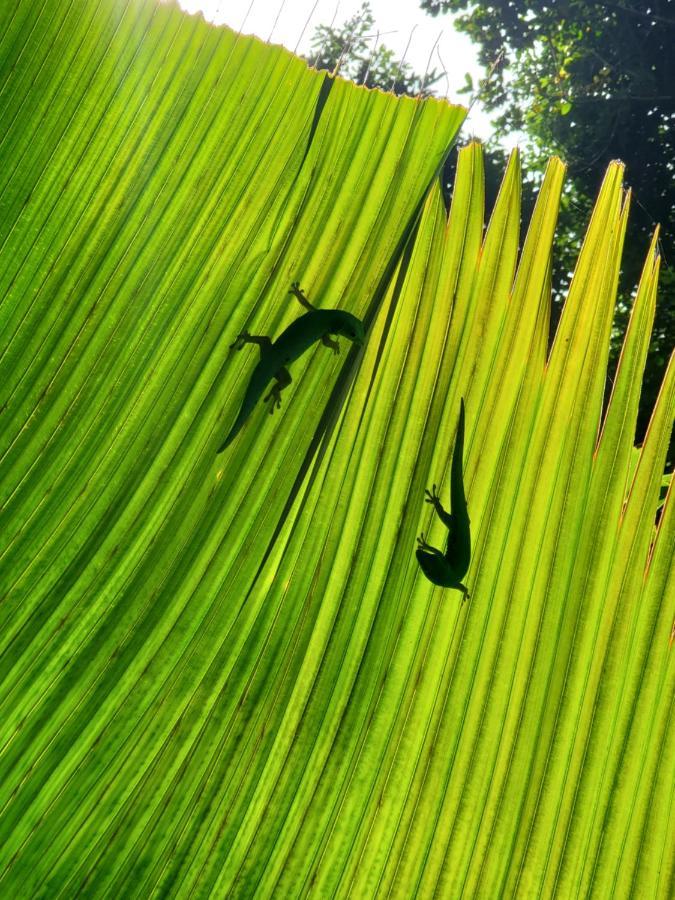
[(226, 675)]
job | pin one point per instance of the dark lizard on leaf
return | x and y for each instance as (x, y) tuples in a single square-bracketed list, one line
[(275, 356), (447, 569)]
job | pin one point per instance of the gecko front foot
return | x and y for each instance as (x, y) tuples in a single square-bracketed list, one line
[(328, 341), (432, 496), (422, 541), (240, 341), (300, 296)]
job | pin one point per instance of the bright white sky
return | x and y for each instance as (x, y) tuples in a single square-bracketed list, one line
[(292, 24)]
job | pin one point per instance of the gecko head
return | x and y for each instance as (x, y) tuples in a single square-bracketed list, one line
[(350, 327)]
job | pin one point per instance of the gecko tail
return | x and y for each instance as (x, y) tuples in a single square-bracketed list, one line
[(253, 392), (233, 432), (226, 443)]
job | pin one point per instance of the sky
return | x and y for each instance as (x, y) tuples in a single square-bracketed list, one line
[(292, 23)]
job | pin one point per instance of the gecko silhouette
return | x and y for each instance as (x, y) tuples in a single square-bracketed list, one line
[(447, 569), (275, 356)]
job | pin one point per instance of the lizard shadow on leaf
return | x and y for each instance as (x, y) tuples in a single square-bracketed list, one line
[(446, 569)]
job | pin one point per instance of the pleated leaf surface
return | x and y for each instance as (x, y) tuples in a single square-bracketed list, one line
[(225, 675)]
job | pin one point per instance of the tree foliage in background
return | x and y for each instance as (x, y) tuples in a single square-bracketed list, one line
[(356, 51), (592, 82)]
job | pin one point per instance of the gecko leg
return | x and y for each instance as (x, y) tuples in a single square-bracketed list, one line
[(328, 341), (275, 396), (424, 545), (433, 498), (240, 340), (299, 294), (245, 338), (283, 379), (422, 541)]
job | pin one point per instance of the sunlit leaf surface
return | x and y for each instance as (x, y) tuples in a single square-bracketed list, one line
[(226, 675)]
